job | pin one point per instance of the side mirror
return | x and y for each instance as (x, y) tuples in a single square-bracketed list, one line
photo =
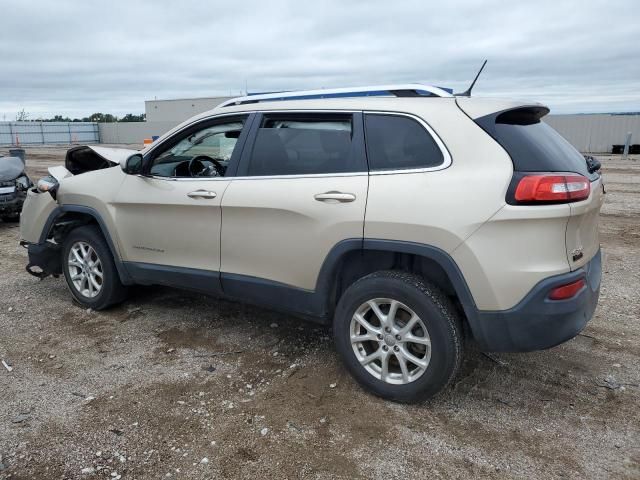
[(133, 164)]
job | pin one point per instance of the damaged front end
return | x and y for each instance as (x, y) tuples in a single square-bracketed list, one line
[(45, 222), (88, 158), (14, 184)]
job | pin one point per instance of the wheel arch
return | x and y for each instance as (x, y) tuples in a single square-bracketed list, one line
[(67, 217), (352, 259)]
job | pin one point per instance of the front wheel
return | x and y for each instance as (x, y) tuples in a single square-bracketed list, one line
[(398, 335), (90, 270)]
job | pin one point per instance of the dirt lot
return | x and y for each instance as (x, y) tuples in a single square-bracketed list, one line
[(152, 388)]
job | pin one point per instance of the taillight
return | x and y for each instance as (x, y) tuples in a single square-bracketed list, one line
[(567, 291), (550, 188)]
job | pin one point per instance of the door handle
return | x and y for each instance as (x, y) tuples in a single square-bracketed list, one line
[(201, 194), (335, 197)]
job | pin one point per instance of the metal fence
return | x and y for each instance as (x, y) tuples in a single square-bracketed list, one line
[(39, 133)]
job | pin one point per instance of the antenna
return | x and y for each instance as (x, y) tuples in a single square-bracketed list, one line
[(467, 92)]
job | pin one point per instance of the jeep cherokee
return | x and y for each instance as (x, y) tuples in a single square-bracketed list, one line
[(408, 218)]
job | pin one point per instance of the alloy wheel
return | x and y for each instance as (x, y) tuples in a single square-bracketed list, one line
[(390, 341), (85, 269)]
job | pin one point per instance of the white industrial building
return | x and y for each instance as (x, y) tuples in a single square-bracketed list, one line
[(179, 109)]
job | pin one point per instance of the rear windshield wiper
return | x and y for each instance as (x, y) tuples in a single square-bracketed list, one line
[(593, 165)]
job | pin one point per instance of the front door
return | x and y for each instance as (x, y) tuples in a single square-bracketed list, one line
[(168, 220)]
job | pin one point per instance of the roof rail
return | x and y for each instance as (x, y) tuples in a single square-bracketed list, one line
[(401, 90)]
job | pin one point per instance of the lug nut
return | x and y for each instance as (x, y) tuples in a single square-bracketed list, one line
[(385, 348), (379, 336), (396, 349), (387, 329), (398, 337)]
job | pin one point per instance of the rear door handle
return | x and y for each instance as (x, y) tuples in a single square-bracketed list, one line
[(202, 194), (335, 197)]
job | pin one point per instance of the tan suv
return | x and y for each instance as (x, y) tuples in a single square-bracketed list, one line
[(409, 218)]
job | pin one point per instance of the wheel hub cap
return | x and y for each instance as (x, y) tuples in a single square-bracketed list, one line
[(390, 341)]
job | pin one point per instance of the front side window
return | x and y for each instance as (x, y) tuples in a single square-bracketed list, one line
[(396, 142), (204, 152), (296, 144)]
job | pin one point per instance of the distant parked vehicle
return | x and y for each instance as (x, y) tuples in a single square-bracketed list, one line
[(14, 184), (409, 222)]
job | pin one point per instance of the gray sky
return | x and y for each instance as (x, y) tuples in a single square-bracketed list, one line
[(79, 57)]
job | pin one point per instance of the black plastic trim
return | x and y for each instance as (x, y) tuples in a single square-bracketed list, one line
[(62, 209), (279, 296), (204, 281), (442, 258), (45, 256), (536, 322)]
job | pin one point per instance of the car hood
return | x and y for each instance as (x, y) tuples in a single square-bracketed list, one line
[(10, 168), (87, 158), (114, 155)]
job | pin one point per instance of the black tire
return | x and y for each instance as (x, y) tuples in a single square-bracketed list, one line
[(434, 309), (112, 291)]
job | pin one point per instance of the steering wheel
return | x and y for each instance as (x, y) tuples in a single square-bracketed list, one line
[(197, 168)]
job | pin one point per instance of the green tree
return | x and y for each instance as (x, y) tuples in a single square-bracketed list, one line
[(130, 117), (102, 118)]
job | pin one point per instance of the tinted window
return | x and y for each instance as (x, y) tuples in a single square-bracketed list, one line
[(303, 145), (396, 142), (532, 144), (204, 152)]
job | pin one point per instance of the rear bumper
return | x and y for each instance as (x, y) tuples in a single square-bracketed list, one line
[(536, 322)]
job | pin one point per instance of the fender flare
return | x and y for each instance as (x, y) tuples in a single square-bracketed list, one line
[(329, 269), (125, 278)]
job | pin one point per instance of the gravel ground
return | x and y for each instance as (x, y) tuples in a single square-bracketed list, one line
[(177, 385)]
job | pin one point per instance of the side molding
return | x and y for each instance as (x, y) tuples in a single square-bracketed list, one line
[(203, 281)]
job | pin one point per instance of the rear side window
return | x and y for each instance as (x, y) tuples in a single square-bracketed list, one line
[(297, 144), (533, 145), (396, 142)]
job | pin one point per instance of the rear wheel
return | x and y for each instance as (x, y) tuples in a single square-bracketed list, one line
[(89, 269), (398, 335)]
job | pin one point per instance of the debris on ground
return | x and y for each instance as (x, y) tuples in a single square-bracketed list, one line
[(7, 365)]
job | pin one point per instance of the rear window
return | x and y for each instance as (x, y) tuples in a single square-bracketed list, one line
[(396, 142), (533, 145)]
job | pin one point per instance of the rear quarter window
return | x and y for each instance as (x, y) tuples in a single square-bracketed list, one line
[(396, 142)]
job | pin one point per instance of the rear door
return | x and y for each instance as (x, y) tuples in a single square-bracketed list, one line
[(301, 189)]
